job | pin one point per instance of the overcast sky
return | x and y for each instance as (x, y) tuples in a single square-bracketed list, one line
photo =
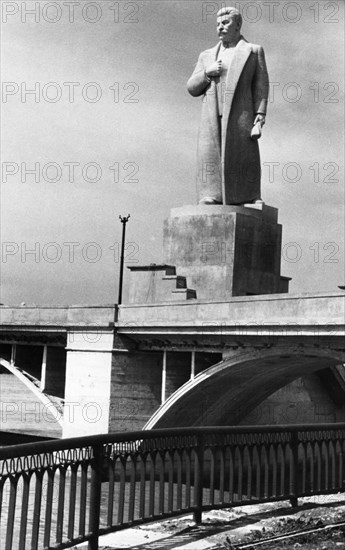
[(116, 133)]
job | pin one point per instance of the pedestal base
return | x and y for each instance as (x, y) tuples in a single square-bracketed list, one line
[(226, 251)]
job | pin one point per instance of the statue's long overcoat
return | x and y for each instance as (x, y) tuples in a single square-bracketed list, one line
[(228, 159)]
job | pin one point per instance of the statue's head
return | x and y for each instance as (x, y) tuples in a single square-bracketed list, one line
[(229, 22)]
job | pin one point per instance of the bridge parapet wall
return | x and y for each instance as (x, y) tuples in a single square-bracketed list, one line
[(58, 316), (305, 310)]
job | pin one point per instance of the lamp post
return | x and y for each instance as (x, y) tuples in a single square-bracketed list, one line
[(124, 220)]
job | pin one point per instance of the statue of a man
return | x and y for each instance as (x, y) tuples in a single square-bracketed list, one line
[(232, 77)]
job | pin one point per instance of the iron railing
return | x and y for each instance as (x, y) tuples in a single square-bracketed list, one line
[(55, 494)]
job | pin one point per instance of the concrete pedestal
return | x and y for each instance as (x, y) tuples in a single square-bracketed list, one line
[(226, 251)]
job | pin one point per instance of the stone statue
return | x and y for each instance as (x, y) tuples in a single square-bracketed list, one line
[(233, 79)]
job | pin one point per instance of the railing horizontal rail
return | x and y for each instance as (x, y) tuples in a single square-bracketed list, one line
[(55, 494), (91, 440)]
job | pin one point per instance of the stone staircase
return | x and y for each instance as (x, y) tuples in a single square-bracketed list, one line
[(156, 283)]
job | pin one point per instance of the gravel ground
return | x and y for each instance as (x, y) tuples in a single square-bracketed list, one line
[(226, 529)]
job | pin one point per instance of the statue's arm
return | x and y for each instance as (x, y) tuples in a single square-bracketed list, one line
[(261, 84), (199, 81)]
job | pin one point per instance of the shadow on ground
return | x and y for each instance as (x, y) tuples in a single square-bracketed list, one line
[(212, 526)]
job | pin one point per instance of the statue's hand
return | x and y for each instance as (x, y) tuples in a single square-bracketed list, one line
[(260, 118), (214, 69)]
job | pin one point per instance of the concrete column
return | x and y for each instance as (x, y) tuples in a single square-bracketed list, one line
[(164, 376), (192, 365), (13, 354), (44, 369)]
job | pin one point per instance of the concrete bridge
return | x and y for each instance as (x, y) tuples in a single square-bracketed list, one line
[(99, 369)]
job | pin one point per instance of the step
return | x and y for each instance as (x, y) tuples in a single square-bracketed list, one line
[(169, 269), (183, 294), (181, 281)]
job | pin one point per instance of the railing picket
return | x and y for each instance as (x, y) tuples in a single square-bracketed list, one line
[(221, 476), (61, 504), (311, 468), (281, 455), (256, 467), (2, 483), (152, 484), (248, 462), (49, 508), (37, 511), (82, 500), (170, 483), (132, 490), (111, 475), (11, 511), (265, 467), (240, 473), (325, 469), (342, 467), (72, 499), (188, 479), (274, 458), (179, 480), (302, 469), (332, 475), (122, 480), (211, 464), (161, 483), (231, 476), (317, 455), (198, 479), (142, 486), (339, 462), (95, 496), (24, 511), (294, 481)]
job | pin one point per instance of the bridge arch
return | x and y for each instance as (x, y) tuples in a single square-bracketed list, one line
[(49, 406), (236, 385)]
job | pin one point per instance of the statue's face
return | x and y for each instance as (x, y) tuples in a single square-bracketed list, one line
[(227, 28)]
